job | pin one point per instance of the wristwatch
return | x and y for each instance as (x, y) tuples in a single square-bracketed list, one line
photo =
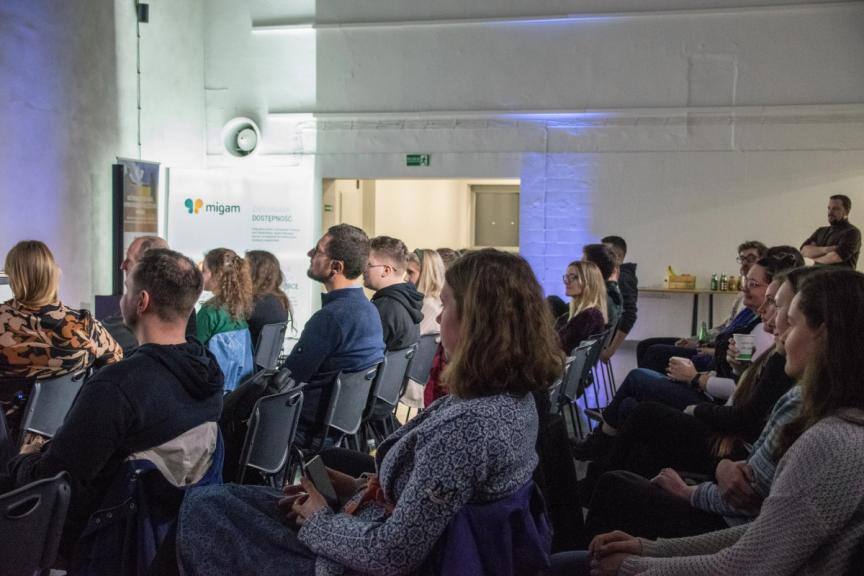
[(694, 383)]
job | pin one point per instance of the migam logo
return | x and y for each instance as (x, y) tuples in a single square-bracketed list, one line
[(195, 206)]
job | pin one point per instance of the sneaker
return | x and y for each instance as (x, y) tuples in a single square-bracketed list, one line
[(591, 448)]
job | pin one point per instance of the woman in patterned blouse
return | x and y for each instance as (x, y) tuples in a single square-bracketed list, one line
[(476, 445), (39, 336)]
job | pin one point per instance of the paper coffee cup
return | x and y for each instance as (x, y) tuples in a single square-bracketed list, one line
[(745, 344)]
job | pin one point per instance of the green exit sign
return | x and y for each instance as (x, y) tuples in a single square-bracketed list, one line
[(417, 160)]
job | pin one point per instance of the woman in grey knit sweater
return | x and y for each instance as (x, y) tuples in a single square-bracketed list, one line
[(813, 519), (474, 446)]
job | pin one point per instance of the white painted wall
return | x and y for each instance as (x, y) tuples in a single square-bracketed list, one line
[(68, 107)]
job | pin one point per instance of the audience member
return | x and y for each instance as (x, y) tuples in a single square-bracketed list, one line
[(270, 303), (226, 276), (345, 334), (660, 437), (114, 323), (429, 281), (448, 256), (683, 385), (604, 259), (398, 302), (628, 284), (584, 285), (840, 241), (162, 403), (40, 337), (813, 518), (475, 446), (654, 353)]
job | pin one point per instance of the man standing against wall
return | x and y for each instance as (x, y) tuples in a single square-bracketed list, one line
[(399, 303), (628, 286), (840, 242)]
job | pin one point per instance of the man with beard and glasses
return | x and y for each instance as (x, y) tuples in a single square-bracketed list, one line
[(345, 334)]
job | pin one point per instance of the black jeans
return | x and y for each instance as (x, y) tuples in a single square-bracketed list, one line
[(654, 354), (629, 502)]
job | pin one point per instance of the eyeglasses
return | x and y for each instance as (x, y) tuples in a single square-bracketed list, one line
[(569, 278), (750, 283), (370, 266), (747, 259)]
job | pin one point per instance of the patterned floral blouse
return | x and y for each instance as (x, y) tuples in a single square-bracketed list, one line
[(51, 341)]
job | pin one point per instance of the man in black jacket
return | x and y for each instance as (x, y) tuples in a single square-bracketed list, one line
[(167, 390), (399, 303), (628, 285)]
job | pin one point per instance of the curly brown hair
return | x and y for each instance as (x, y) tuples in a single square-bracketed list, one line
[(233, 282), (508, 345)]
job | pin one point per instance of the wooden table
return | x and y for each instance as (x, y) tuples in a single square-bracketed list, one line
[(694, 324)]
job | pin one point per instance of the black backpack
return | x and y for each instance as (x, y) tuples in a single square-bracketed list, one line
[(237, 408)]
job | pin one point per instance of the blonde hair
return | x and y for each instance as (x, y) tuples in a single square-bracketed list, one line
[(33, 274), (593, 289), (432, 270), (233, 290)]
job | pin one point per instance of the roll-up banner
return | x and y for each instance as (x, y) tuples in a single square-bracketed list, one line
[(261, 209), (136, 208)]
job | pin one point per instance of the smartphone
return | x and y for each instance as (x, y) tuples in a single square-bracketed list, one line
[(315, 472)]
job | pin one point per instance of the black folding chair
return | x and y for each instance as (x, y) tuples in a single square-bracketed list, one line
[(7, 445), (572, 383), (386, 391), (49, 403), (421, 365), (269, 345), (272, 426), (31, 521), (593, 360), (351, 392)]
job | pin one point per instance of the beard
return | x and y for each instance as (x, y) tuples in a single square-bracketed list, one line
[(317, 277)]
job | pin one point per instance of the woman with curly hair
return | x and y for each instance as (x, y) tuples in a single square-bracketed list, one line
[(226, 276), (270, 303)]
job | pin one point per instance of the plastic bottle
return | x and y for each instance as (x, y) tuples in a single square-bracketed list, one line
[(371, 447)]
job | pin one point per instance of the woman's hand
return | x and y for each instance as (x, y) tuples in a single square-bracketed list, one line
[(614, 543), (301, 501), (732, 357), (607, 566), (681, 369), (687, 343), (33, 443), (670, 481), (344, 485), (735, 480)]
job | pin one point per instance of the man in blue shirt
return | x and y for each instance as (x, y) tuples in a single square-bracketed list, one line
[(345, 334)]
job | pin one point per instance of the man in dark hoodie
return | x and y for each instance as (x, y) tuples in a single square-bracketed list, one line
[(398, 302), (168, 390), (628, 284)]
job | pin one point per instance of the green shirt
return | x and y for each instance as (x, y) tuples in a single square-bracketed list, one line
[(211, 321)]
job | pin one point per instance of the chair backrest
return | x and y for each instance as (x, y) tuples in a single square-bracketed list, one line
[(49, 403), (233, 351), (599, 344), (272, 426), (269, 345), (348, 403), (579, 365), (7, 445), (31, 521), (391, 375), (421, 365)]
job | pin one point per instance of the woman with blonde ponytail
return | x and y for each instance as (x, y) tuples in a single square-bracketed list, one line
[(227, 277)]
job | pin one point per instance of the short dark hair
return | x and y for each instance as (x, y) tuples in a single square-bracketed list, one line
[(172, 280), (760, 248), (618, 244), (845, 200), (789, 255), (349, 245), (602, 256), (391, 248)]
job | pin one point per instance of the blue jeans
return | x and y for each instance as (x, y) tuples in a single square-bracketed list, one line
[(575, 563), (641, 385)]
